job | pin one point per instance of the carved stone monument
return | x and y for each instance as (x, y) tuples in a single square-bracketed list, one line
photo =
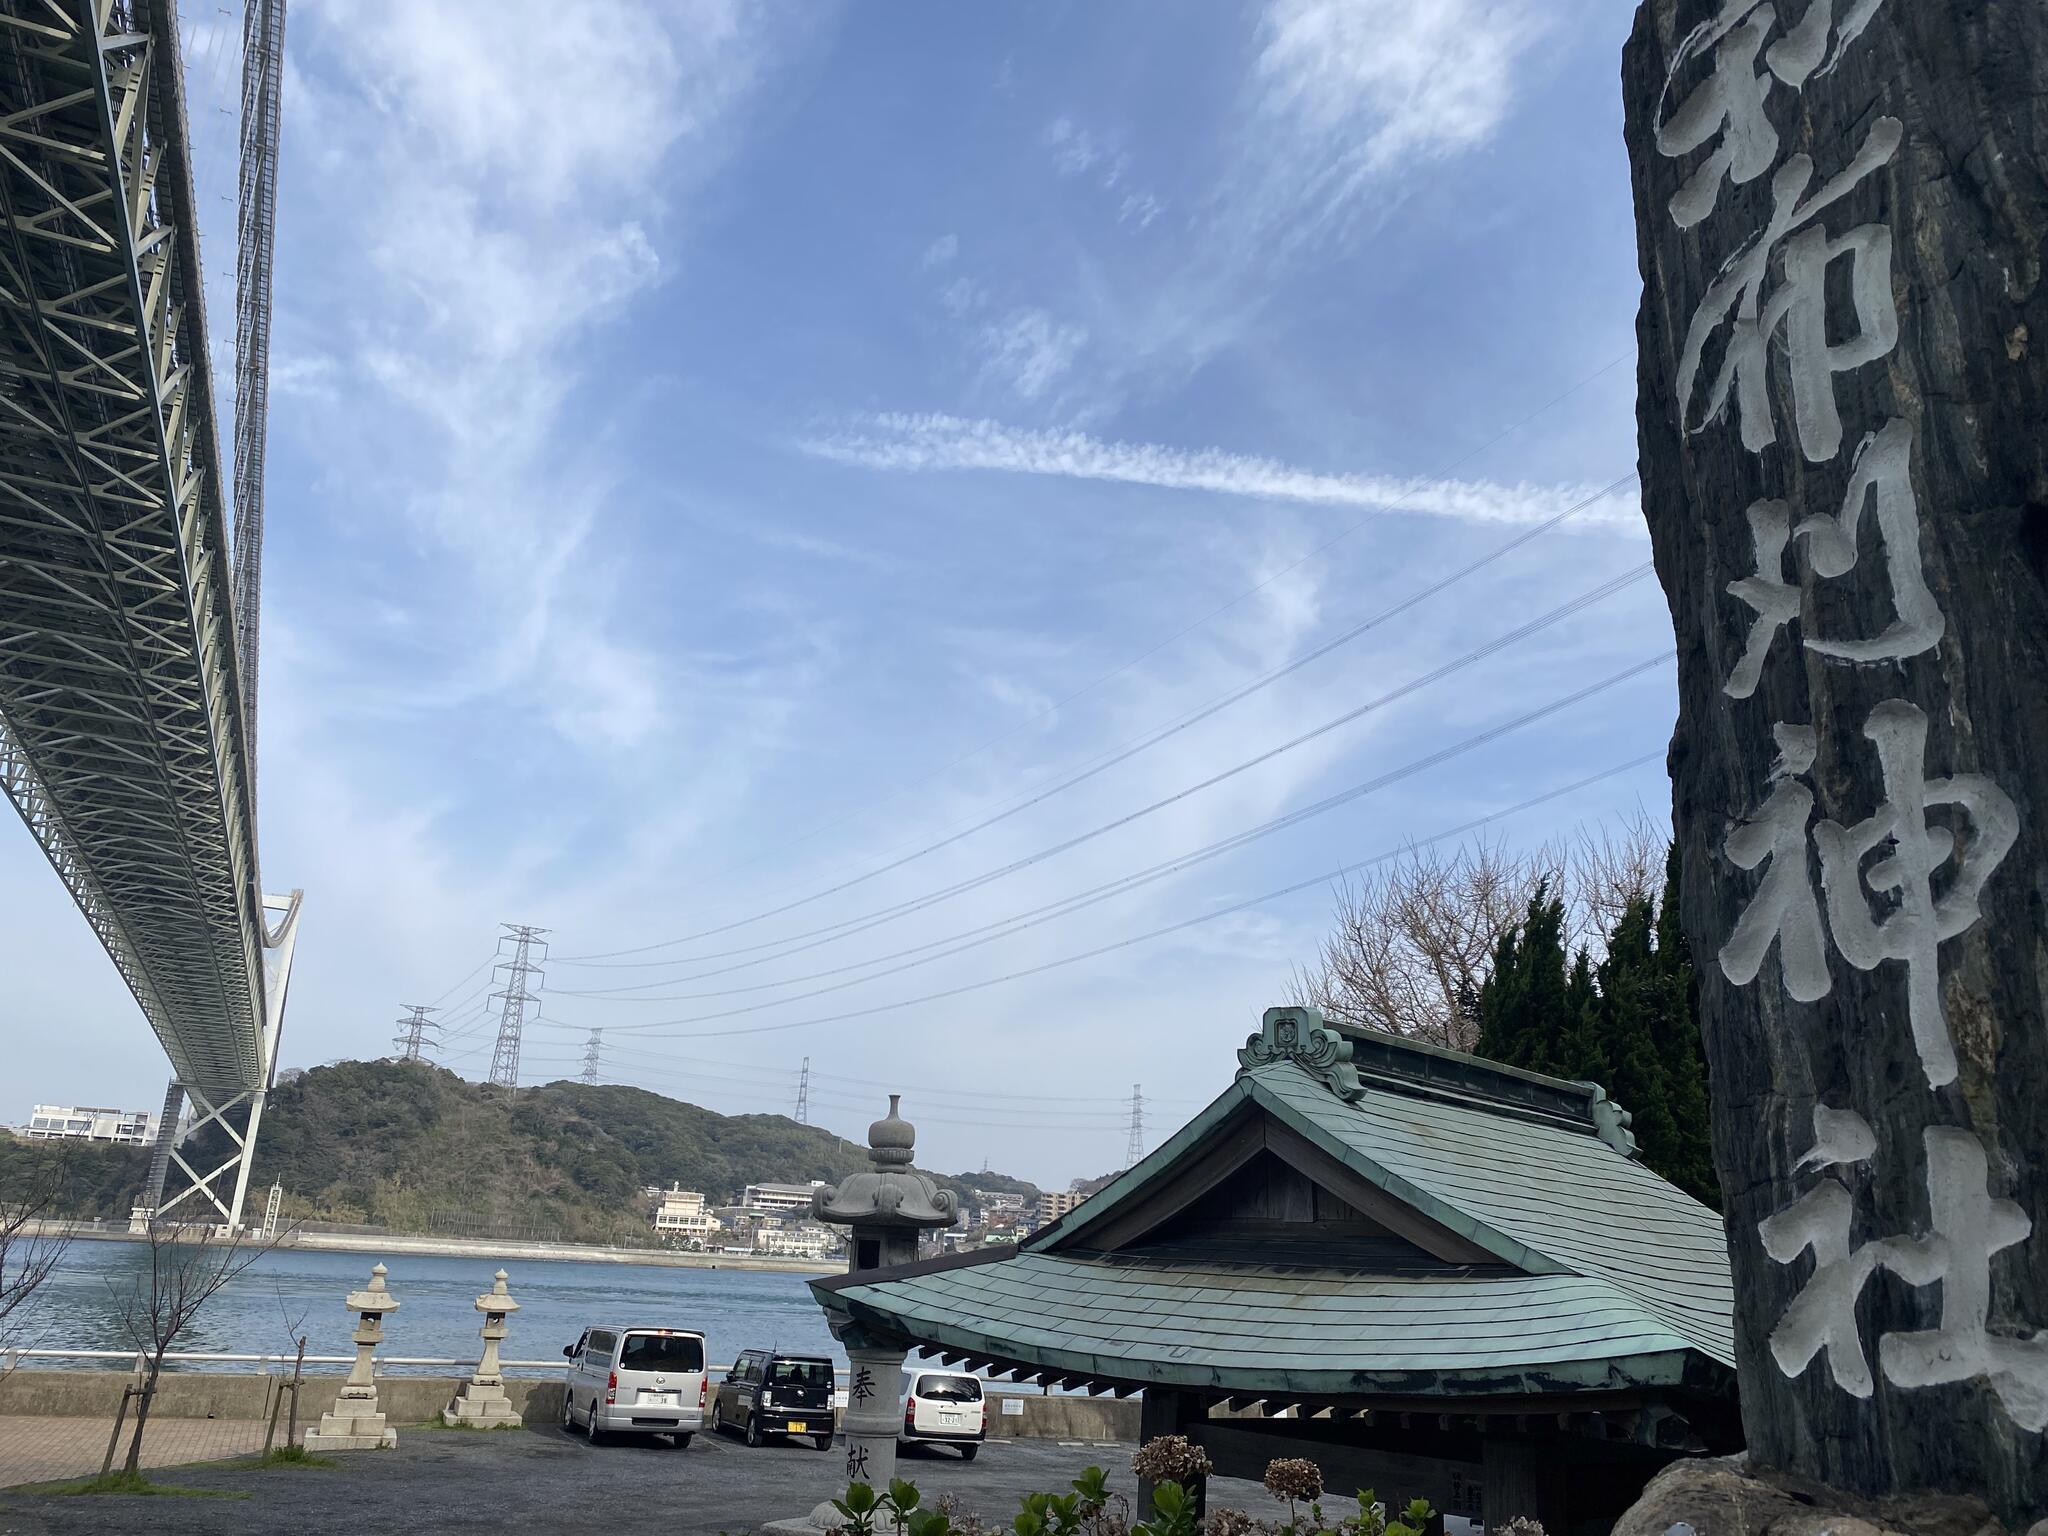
[(1843, 425), (356, 1423), (886, 1206), (480, 1402)]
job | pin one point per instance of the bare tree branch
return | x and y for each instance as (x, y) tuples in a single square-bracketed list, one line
[(1414, 938), (188, 1267), (32, 1244)]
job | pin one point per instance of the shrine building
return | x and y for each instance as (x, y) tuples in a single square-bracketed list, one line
[(1435, 1276)]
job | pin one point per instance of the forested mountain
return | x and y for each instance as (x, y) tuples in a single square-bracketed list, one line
[(413, 1147)]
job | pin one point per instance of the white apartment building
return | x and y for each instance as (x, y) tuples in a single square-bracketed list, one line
[(1055, 1203), (682, 1214), (49, 1122), (780, 1198)]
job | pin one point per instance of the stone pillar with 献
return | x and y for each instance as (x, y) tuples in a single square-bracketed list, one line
[(886, 1205), (480, 1402), (1842, 353), (355, 1423)]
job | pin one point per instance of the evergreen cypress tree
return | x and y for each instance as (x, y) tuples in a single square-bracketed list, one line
[(1631, 993), (1631, 1024), (1675, 1028), (1525, 1007)]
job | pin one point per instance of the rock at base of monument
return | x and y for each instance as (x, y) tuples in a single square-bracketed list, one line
[(1726, 1497)]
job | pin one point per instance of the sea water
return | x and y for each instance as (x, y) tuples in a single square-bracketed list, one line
[(79, 1306)]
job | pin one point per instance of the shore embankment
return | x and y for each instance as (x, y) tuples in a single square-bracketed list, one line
[(313, 1240)]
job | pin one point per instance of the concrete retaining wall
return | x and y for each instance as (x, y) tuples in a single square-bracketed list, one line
[(417, 1399), (222, 1395)]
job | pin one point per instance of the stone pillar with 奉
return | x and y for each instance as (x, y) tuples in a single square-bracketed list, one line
[(356, 1423), (1840, 210)]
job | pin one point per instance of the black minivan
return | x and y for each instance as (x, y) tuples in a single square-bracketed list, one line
[(766, 1393)]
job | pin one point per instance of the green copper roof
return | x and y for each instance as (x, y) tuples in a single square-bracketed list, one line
[(1564, 1196), (1601, 1276), (1316, 1332)]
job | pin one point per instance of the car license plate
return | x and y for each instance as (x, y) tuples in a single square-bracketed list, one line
[(950, 1420), (798, 1426), (657, 1399)]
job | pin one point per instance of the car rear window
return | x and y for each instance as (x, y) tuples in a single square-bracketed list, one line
[(662, 1352), (949, 1389), (800, 1373)]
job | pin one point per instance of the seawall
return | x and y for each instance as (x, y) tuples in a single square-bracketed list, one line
[(417, 1399), (487, 1248)]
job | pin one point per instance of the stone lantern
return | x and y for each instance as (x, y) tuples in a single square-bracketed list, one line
[(356, 1423), (886, 1207), (480, 1402)]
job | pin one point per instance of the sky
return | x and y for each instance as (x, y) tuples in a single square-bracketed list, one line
[(771, 495)]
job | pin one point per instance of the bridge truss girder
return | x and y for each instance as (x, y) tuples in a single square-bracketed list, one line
[(121, 713)]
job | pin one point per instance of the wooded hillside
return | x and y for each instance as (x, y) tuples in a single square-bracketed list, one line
[(414, 1148)]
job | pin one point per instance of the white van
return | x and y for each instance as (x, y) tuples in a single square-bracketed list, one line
[(635, 1381), (943, 1408)]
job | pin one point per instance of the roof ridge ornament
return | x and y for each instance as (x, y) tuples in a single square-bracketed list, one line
[(1611, 1122), (1302, 1036)]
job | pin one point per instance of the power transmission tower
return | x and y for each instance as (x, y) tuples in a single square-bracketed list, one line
[(412, 1031), (592, 1058), (523, 974), (1136, 1147), (803, 1094)]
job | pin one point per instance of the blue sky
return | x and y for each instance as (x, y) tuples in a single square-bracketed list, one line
[(718, 450)]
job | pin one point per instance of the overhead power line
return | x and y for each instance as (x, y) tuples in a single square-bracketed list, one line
[(1199, 623), (1428, 679), (1090, 898), (1210, 916)]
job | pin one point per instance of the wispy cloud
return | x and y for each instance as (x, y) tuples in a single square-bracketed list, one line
[(940, 252), (1355, 89), (1074, 149), (1077, 151), (929, 443), (502, 210), (1029, 350)]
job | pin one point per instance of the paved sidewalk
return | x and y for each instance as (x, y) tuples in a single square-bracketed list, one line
[(543, 1481), (38, 1450)]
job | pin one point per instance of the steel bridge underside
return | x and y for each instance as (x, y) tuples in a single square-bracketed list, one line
[(121, 727)]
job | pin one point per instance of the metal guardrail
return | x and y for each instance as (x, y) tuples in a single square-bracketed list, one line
[(12, 1358)]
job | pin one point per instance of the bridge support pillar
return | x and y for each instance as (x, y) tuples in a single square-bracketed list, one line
[(225, 1198)]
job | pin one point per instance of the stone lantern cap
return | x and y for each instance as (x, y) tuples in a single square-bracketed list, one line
[(373, 1297), (892, 1194), (497, 1298)]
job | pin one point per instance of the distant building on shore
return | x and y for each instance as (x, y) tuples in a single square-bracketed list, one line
[(67, 1122), (779, 1198), (681, 1214)]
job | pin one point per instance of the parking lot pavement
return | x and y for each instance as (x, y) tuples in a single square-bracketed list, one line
[(544, 1481)]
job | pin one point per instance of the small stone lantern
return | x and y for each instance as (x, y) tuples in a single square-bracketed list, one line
[(886, 1207), (480, 1402), (356, 1424)]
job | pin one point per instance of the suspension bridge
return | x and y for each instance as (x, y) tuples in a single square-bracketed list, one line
[(129, 608)]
